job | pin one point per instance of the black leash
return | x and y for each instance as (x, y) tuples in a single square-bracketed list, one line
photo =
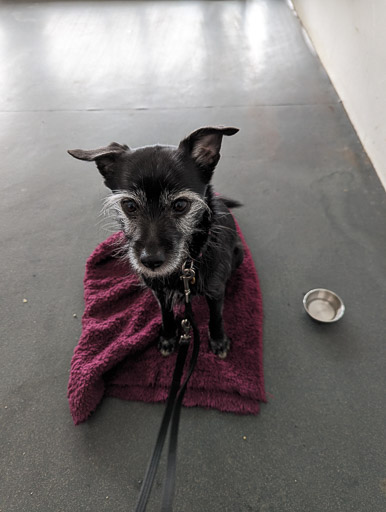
[(173, 406)]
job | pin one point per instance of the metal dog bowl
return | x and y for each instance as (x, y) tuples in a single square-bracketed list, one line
[(323, 305)]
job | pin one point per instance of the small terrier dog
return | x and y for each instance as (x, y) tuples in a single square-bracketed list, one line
[(165, 205)]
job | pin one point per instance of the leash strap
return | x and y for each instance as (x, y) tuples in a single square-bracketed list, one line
[(172, 412), (170, 479)]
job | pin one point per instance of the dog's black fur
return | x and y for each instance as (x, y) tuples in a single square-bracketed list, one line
[(166, 207)]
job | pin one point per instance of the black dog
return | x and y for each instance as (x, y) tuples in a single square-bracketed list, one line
[(166, 208)]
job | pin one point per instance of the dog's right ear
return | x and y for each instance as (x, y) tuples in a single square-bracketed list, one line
[(105, 158)]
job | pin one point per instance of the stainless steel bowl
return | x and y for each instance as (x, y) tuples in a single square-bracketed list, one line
[(323, 305)]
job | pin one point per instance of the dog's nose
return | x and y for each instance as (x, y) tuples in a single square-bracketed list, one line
[(152, 260)]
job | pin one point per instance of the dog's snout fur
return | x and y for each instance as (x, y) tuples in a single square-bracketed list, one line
[(164, 203)]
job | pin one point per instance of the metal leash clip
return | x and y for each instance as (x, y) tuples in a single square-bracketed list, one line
[(185, 337), (189, 277)]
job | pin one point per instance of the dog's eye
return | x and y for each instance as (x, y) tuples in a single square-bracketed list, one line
[(180, 205), (129, 205)]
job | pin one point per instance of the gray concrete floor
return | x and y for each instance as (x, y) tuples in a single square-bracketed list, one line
[(81, 74)]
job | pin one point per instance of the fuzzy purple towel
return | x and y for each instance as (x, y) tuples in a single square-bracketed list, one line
[(117, 353)]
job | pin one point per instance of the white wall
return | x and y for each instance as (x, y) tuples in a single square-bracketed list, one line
[(350, 38)]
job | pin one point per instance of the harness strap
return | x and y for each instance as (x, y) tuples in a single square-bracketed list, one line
[(172, 411)]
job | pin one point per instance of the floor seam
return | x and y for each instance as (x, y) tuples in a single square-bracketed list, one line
[(138, 109)]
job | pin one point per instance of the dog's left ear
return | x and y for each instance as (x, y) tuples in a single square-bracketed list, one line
[(203, 146)]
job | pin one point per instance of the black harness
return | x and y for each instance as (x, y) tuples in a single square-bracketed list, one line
[(173, 404)]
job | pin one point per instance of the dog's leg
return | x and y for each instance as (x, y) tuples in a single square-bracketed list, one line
[(168, 339), (218, 341)]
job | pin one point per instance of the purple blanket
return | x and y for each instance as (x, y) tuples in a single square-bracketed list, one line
[(117, 353)]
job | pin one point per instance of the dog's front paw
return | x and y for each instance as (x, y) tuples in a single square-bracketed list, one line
[(220, 347), (167, 346)]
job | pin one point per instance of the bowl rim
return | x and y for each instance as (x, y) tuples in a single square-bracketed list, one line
[(340, 311)]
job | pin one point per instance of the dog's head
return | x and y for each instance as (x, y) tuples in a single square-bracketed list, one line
[(158, 195)]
